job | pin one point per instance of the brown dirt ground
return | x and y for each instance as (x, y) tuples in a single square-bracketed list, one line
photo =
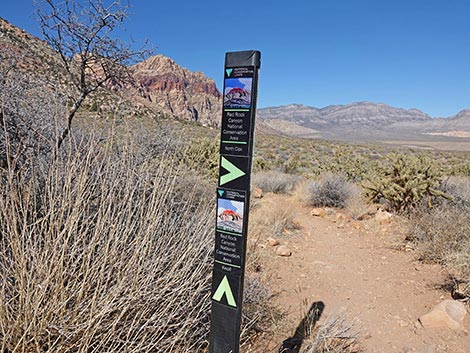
[(360, 267)]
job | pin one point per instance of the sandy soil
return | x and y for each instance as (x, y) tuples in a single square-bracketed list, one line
[(360, 267)]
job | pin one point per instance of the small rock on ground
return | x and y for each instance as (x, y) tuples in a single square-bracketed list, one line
[(449, 313), (383, 217), (273, 242), (257, 193), (283, 250), (318, 212)]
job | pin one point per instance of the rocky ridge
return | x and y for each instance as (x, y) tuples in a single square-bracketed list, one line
[(360, 113), (161, 86), (177, 90), (364, 121)]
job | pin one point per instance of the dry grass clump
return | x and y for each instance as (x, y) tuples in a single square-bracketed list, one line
[(273, 221), (98, 253), (442, 235), (330, 190), (339, 334), (275, 181), (258, 311)]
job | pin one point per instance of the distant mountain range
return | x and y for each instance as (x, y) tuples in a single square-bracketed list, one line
[(164, 87), (363, 121)]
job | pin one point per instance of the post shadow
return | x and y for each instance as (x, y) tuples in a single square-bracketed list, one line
[(303, 330)]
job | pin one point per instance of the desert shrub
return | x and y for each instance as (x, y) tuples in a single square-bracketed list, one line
[(442, 235), (102, 250), (280, 220), (202, 155), (458, 190), (356, 205), (273, 221), (258, 312), (293, 164), (408, 180), (30, 116), (339, 334), (330, 190), (355, 167), (275, 181), (99, 254), (260, 164)]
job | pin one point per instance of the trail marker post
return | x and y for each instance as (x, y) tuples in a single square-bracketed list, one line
[(233, 198)]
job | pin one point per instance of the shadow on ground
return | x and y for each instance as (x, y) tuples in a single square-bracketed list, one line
[(294, 343)]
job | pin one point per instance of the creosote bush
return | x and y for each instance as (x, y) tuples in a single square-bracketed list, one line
[(330, 190)]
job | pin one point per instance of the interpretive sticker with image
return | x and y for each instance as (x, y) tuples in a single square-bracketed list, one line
[(229, 238), (230, 215), (237, 93), (236, 132)]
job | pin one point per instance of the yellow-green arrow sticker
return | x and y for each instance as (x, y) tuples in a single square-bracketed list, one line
[(234, 172), (224, 288)]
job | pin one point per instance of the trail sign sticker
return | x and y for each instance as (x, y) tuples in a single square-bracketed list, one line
[(224, 289), (230, 215), (237, 94), (233, 197), (233, 172), (230, 230), (238, 112)]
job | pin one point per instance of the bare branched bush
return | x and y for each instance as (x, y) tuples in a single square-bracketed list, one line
[(83, 33), (442, 235), (100, 254), (458, 189), (275, 181), (339, 334), (258, 311), (30, 116), (331, 190)]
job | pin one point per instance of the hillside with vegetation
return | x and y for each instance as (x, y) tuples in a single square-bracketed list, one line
[(106, 221)]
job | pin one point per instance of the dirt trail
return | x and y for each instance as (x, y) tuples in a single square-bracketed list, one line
[(358, 267)]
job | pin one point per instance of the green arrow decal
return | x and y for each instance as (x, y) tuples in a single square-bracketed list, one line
[(234, 172), (224, 288), (229, 72), (221, 192)]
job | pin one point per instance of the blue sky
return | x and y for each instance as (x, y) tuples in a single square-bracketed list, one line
[(224, 204), (406, 53)]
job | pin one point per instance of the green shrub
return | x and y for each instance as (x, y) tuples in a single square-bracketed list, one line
[(331, 190), (293, 163), (408, 180), (202, 156), (260, 164)]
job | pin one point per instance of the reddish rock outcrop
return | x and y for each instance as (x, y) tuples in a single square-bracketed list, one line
[(178, 91)]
